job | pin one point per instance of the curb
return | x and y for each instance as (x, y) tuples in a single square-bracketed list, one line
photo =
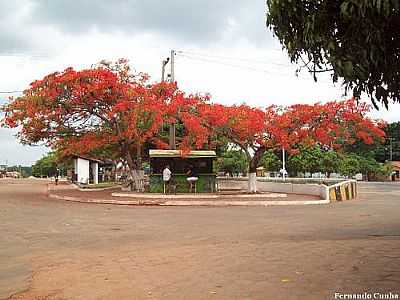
[(196, 196), (144, 202), (243, 203)]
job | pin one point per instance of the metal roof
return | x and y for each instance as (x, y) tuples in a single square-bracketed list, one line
[(178, 153)]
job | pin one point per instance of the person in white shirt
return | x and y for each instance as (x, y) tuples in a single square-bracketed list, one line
[(166, 178)]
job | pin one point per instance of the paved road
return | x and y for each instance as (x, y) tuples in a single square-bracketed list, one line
[(59, 250)]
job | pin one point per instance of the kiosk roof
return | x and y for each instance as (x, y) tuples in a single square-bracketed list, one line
[(178, 153)]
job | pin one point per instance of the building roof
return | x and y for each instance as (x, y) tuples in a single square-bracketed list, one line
[(88, 158), (395, 164), (178, 153)]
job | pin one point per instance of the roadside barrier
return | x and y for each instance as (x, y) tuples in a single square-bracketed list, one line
[(342, 191), (327, 189)]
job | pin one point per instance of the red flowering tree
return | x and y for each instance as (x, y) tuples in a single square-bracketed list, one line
[(80, 112), (255, 131)]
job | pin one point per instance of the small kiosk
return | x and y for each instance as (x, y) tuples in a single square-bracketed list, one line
[(201, 161)]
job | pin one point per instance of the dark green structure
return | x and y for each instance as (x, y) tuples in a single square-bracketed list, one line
[(201, 161)]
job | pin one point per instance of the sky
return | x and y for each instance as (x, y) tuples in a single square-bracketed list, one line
[(222, 48)]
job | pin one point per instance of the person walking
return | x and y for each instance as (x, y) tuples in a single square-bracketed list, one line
[(56, 176)]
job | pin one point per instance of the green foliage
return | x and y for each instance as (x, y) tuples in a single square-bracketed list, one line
[(318, 160), (393, 140), (359, 41), (307, 160), (232, 162), (47, 166), (380, 151), (271, 162), (329, 162), (350, 165), (368, 166)]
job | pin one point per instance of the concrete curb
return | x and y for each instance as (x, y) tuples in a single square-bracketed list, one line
[(77, 187), (242, 203), (197, 196), (144, 202)]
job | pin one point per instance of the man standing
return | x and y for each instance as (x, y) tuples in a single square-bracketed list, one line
[(167, 178)]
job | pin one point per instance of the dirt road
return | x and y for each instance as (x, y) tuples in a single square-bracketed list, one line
[(61, 250)]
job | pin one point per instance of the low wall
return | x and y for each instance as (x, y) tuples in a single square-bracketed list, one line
[(326, 189), (342, 191)]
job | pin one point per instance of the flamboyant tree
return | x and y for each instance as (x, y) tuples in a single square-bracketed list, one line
[(80, 112), (256, 131)]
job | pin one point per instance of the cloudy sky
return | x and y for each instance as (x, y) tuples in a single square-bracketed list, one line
[(222, 48)]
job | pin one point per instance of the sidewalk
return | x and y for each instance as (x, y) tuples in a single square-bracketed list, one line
[(115, 196)]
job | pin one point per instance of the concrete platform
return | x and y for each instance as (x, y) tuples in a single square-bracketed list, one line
[(68, 193)]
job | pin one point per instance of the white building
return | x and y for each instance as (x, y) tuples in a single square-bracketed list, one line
[(86, 170)]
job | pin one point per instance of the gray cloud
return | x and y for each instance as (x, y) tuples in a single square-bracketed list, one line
[(12, 38), (185, 19), (195, 22)]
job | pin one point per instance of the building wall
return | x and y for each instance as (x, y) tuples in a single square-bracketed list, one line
[(82, 170)]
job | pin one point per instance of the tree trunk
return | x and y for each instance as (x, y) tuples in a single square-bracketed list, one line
[(134, 170), (252, 183), (253, 164)]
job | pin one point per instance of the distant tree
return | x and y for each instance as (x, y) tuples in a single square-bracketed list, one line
[(369, 167), (330, 162), (45, 166), (349, 166), (307, 159), (380, 150), (232, 162), (352, 164), (357, 41), (271, 162), (392, 142)]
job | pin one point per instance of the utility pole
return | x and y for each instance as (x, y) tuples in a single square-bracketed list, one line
[(172, 65), (164, 63), (172, 133), (391, 149)]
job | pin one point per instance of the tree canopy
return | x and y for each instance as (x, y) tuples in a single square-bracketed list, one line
[(82, 112), (110, 110), (357, 41), (255, 130)]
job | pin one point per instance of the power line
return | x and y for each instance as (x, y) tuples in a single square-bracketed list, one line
[(224, 63), (223, 57), (239, 66), (10, 92)]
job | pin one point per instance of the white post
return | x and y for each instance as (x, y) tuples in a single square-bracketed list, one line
[(283, 164), (95, 172)]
